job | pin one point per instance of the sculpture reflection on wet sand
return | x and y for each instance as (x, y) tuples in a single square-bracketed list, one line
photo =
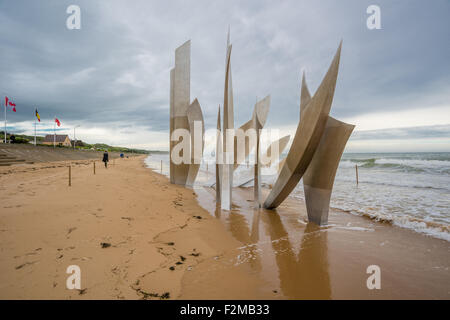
[(314, 154), (304, 273)]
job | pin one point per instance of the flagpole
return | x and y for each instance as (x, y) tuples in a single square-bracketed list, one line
[(5, 122), (54, 133), (35, 128)]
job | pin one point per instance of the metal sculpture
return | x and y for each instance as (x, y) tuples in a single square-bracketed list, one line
[(219, 156), (319, 177), (314, 116), (259, 117), (184, 115), (315, 152), (226, 185)]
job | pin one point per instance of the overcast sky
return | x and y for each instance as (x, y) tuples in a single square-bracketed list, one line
[(112, 76)]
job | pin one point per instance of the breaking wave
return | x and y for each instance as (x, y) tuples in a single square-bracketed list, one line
[(430, 228), (405, 165), (410, 191)]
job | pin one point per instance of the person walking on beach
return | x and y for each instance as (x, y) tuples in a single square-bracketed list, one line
[(106, 158)]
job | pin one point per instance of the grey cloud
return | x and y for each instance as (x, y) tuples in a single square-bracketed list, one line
[(438, 131), (116, 68)]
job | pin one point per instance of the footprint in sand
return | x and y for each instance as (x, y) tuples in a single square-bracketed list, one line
[(105, 245), (149, 295), (82, 291), (195, 253), (96, 215), (26, 264), (177, 203), (70, 230)]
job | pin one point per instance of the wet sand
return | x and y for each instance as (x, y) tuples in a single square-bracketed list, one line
[(300, 260), (159, 243)]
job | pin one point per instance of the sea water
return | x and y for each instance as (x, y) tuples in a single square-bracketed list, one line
[(410, 190)]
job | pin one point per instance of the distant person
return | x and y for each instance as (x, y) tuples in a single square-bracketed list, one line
[(105, 158), (12, 138)]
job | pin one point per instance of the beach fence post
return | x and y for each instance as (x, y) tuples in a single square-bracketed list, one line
[(161, 165), (94, 167), (70, 175), (356, 170)]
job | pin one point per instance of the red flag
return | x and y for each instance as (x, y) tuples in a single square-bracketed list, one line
[(6, 101), (57, 122), (11, 104)]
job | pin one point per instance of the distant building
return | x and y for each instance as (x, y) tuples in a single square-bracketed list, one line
[(61, 140), (79, 143)]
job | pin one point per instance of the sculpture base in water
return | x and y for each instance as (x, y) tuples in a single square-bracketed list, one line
[(318, 204)]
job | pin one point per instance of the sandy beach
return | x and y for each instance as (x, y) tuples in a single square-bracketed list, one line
[(135, 236), (151, 226)]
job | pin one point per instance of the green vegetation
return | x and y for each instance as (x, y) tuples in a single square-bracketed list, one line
[(103, 146), (22, 138)]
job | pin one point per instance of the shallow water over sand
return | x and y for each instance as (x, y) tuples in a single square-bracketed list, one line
[(300, 260), (410, 190)]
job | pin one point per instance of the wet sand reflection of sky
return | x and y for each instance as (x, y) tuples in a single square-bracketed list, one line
[(277, 248)]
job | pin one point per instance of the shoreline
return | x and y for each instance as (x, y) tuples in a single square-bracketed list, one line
[(435, 229), (273, 243), (152, 226)]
